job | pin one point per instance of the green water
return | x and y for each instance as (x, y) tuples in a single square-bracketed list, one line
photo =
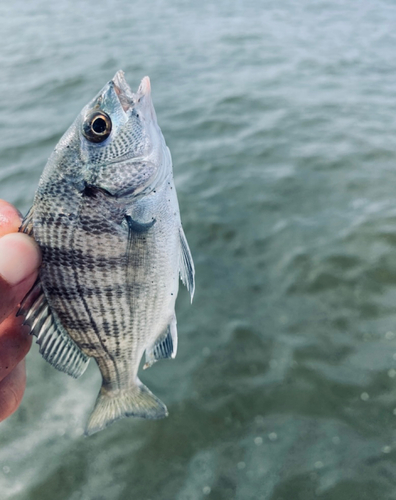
[(281, 119)]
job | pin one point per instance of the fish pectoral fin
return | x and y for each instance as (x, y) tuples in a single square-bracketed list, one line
[(138, 227), (27, 223), (136, 401), (56, 345), (187, 270), (164, 347)]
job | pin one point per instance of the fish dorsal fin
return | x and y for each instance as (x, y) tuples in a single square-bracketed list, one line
[(56, 345), (27, 223), (164, 347), (187, 270)]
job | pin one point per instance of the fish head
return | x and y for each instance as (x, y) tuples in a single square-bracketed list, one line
[(119, 145)]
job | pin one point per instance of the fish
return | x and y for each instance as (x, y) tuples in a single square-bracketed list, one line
[(107, 220)]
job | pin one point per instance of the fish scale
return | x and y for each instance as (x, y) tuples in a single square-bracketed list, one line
[(83, 306), (107, 219)]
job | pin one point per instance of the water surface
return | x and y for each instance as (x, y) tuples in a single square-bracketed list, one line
[(281, 119)]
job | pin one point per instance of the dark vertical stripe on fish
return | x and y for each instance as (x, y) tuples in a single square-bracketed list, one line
[(91, 319)]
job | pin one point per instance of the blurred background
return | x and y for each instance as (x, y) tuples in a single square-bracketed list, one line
[(281, 119)]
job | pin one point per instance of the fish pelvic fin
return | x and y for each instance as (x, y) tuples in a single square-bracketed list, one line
[(135, 401)]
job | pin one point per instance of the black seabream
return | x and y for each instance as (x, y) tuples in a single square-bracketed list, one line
[(106, 217)]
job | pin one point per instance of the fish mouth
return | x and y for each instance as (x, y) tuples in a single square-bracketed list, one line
[(123, 90), (122, 87), (129, 99)]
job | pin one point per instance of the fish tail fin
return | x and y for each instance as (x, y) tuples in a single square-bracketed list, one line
[(134, 401)]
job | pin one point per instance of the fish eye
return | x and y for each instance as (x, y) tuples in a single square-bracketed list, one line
[(97, 126)]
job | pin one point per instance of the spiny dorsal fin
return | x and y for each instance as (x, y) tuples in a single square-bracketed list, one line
[(187, 270), (164, 347), (56, 346), (27, 223)]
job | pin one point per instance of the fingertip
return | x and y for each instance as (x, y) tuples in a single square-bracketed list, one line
[(12, 389), (15, 342), (10, 218), (20, 257)]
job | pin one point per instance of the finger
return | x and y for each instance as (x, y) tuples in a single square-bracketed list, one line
[(15, 343), (11, 390), (10, 218), (19, 262)]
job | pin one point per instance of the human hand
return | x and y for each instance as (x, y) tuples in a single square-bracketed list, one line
[(19, 262)]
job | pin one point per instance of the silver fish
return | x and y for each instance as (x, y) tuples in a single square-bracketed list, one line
[(106, 217)]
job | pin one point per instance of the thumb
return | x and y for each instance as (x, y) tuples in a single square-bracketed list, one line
[(19, 262)]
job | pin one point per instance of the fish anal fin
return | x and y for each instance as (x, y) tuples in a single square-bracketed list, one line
[(56, 345), (187, 270), (135, 401), (164, 347)]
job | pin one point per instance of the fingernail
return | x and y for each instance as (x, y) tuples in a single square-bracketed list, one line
[(19, 257)]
